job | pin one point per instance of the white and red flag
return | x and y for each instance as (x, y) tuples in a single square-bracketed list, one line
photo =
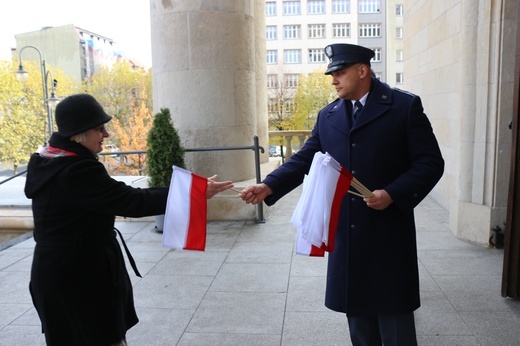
[(317, 212), (186, 211)]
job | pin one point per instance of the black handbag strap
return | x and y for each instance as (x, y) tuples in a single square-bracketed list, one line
[(129, 255)]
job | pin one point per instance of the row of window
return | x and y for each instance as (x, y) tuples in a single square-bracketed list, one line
[(288, 105), (339, 30), (274, 107), (293, 7), (290, 80), (314, 56)]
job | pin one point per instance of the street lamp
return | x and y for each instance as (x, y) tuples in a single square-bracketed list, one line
[(49, 102)]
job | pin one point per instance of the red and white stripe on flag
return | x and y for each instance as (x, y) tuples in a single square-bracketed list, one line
[(317, 212), (304, 248), (186, 211)]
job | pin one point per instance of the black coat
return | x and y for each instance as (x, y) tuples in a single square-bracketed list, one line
[(79, 283), (373, 269)]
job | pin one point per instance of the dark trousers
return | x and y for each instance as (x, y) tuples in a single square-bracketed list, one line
[(395, 330)]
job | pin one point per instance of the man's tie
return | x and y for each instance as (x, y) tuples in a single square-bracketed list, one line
[(356, 112)]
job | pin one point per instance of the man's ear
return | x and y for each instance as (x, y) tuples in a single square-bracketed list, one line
[(364, 71)]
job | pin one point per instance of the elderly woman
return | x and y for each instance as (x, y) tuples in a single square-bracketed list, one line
[(79, 283)]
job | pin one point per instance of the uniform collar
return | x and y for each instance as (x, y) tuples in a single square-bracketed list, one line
[(362, 100)]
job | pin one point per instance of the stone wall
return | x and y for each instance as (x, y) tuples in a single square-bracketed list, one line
[(459, 57)]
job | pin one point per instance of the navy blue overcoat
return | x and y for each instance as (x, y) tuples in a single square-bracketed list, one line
[(373, 269)]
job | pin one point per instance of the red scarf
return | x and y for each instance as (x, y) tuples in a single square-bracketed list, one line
[(51, 152)]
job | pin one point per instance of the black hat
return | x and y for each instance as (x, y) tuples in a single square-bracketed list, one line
[(342, 55), (78, 113)]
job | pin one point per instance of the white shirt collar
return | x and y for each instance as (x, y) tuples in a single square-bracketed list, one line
[(363, 100)]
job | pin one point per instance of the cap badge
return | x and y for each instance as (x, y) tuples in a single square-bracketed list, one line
[(329, 52)]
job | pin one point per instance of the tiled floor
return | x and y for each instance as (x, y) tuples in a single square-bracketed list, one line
[(248, 288)]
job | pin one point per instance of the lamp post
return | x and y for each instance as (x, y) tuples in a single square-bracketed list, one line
[(49, 102)]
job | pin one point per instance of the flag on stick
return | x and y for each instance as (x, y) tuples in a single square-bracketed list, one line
[(317, 212), (186, 211)]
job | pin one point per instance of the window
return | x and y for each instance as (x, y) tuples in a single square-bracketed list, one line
[(270, 32), (291, 80), (272, 107), (369, 6), (289, 106), (370, 30), (377, 55), (270, 8), (291, 8), (292, 56), (315, 6), (398, 32), (291, 32), (316, 31), (340, 30), (272, 57), (340, 6), (399, 78), (398, 10), (316, 56), (398, 55), (272, 81)]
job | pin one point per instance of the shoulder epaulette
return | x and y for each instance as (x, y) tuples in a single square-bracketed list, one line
[(405, 92)]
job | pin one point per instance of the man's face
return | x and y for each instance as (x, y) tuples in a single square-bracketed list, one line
[(347, 82)]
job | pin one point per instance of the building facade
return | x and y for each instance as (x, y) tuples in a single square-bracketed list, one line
[(457, 55), (297, 31), (460, 58), (394, 43), (79, 52)]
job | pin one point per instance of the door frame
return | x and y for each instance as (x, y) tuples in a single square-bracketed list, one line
[(511, 268)]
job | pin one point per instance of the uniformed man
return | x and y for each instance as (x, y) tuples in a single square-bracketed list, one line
[(382, 136)]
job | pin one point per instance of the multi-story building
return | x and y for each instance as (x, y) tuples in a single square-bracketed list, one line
[(297, 31), (77, 51), (394, 43)]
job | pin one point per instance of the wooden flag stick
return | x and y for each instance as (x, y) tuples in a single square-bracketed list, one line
[(361, 188), (355, 193)]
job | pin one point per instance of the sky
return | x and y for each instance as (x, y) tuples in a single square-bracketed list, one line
[(126, 22)]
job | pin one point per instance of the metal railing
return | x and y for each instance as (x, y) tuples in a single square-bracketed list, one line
[(12, 177), (255, 147)]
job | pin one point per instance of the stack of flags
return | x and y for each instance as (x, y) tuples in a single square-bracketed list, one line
[(317, 213)]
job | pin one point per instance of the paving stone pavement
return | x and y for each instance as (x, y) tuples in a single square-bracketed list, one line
[(248, 288)]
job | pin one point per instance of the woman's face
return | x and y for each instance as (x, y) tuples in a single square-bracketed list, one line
[(94, 139)]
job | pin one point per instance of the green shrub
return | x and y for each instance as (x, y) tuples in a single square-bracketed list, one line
[(164, 150)]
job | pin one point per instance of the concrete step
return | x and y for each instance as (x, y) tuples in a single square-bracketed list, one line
[(16, 218)]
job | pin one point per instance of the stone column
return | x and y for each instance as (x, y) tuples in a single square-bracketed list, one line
[(203, 58), (262, 128)]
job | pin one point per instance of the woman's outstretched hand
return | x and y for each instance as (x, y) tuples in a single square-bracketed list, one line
[(215, 186)]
